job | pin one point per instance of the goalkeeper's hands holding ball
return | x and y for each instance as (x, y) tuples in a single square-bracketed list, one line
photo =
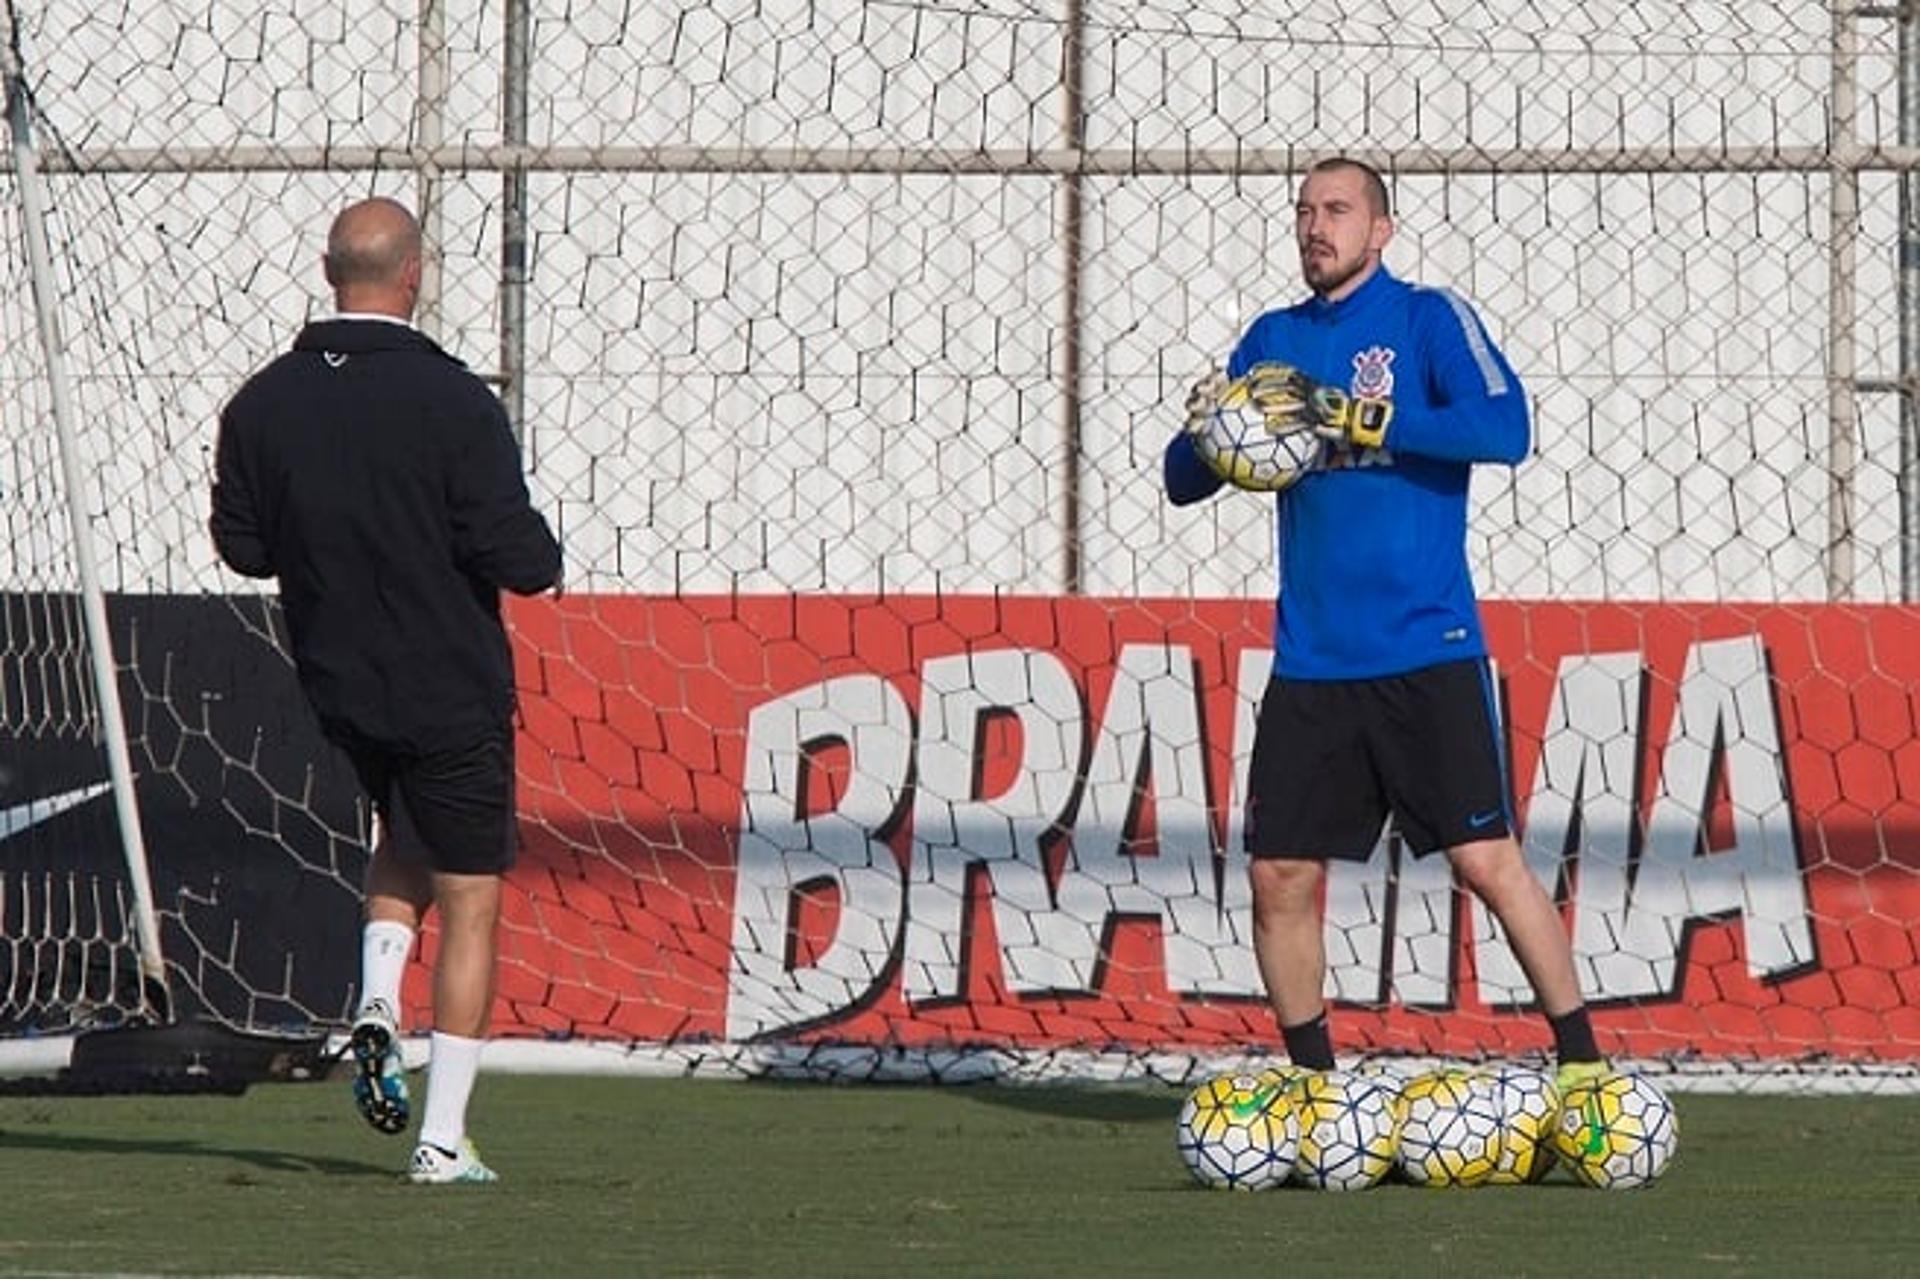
[(1266, 429), (1289, 400)]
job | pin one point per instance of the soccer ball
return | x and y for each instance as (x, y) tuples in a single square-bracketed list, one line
[(1388, 1076), (1238, 1132), (1347, 1131), (1450, 1129), (1247, 443), (1617, 1131), (1529, 1109)]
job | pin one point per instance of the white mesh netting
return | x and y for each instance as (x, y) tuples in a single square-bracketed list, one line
[(892, 705)]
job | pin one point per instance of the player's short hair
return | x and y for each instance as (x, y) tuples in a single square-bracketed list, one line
[(1377, 198), (369, 242)]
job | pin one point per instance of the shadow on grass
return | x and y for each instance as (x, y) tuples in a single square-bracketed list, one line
[(1118, 1103), (1114, 1105), (266, 1160)]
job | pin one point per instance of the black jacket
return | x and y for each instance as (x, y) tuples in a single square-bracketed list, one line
[(379, 481)]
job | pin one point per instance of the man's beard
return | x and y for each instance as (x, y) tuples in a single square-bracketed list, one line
[(1329, 275)]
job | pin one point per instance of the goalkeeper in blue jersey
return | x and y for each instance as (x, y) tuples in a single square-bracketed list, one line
[(1381, 699)]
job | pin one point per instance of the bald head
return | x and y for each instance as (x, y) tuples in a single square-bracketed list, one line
[(373, 258)]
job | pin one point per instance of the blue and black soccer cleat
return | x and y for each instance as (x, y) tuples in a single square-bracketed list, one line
[(379, 1084)]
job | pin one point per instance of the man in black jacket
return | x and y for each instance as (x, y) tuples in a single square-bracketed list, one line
[(378, 479)]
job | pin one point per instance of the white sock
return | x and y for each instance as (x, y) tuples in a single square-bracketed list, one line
[(384, 947), (450, 1075)]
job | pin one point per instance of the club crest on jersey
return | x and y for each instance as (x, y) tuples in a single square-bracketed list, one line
[(1373, 372)]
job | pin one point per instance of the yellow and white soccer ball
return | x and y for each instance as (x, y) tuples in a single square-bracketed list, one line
[(1255, 434), (1389, 1076), (1529, 1111), (1617, 1131), (1239, 1131), (1450, 1129), (1347, 1130)]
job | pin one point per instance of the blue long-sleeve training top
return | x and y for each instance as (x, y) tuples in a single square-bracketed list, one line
[(1373, 561)]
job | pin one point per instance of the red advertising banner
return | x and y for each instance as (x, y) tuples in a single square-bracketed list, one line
[(1014, 821)]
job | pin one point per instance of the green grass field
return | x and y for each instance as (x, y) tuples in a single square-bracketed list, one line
[(686, 1177)]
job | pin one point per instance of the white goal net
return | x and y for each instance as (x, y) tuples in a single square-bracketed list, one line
[(893, 713)]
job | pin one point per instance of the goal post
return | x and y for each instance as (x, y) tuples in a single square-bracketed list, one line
[(107, 721), (893, 722)]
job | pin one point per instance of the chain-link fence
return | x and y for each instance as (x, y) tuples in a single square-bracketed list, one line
[(889, 295), (897, 302)]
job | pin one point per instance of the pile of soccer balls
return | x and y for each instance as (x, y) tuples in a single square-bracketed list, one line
[(1348, 1130)]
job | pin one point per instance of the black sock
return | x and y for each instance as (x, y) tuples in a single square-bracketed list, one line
[(1309, 1045), (1573, 1036)]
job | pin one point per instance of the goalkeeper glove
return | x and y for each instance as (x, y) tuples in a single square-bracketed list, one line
[(1290, 400), (1283, 394), (1351, 422), (1203, 399)]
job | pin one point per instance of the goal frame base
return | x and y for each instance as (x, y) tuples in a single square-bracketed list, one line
[(199, 1055)]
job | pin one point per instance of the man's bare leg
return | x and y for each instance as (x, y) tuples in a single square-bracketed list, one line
[(463, 976), (1497, 873), (463, 980), (397, 891), (1291, 952)]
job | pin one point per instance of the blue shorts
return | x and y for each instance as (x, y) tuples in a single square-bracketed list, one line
[(1332, 758)]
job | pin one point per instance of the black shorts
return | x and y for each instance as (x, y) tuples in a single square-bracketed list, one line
[(452, 809), (1332, 758)]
